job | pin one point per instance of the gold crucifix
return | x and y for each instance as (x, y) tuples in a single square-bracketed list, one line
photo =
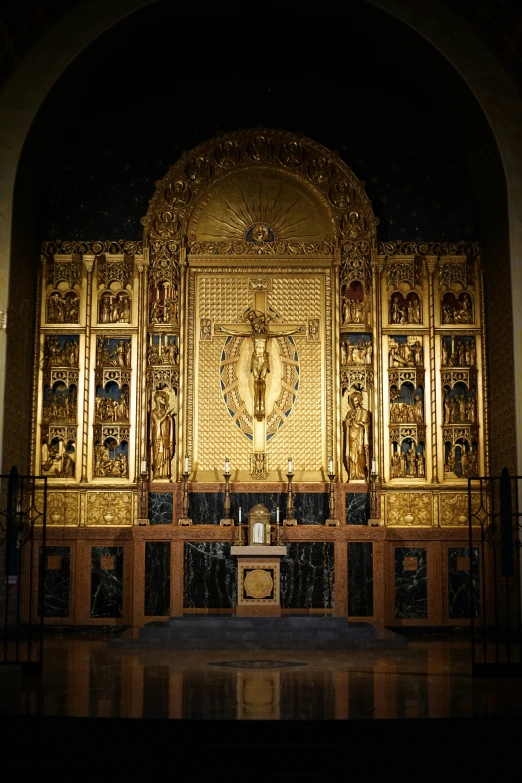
[(259, 329)]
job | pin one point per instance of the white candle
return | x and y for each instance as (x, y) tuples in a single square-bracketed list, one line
[(240, 513), (290, 464), (277, 515), (227, 465), (374, 466), (144, 465), (330, 466), (186, 463)]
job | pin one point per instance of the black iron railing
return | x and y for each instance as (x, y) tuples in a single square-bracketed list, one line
[(494, 505), (23, 505)]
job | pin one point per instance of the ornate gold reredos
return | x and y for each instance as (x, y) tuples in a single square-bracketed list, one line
[(261, 191)]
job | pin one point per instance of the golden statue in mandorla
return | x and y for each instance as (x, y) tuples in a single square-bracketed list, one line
[(260, 363), (356, 427)]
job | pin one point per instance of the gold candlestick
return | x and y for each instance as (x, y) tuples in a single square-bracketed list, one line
[(227, 520), (290, 519)]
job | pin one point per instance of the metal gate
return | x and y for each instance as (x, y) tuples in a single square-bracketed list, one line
[(23, 505), (494, 505)]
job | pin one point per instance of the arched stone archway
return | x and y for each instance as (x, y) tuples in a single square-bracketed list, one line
[(499, 100)]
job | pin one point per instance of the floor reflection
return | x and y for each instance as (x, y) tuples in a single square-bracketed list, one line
[(429, 680)]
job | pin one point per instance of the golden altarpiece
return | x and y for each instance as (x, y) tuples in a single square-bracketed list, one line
[(260, 321)]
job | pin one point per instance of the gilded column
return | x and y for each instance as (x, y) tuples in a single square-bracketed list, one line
[(485, 401), (183, 369), (88, 264), (142, 264), (336, 309), (378, 379), (431, 263)]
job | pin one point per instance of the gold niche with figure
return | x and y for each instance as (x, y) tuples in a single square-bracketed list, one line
[(259, 318)]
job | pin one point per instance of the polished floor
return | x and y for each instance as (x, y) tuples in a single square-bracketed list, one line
[(83, 678)]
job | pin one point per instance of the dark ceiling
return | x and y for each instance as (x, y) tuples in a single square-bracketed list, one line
[(156, 84)]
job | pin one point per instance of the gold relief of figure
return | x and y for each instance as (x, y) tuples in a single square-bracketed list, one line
[(164, 304), (167, 224), (260, 148), (111, 407), (458, 351), (320, 170), (459, 406), (110, 460), (205, 329), (111, 352), (356, 353), (227, 154), (163, 435), (58, 460), (199, 169), (114, 308), (164, 351), (405, 310), (341, 195), (260, 364), (61, 351), (407, 353), (356, 427), (456, 309), (63, 309), (313, 329), (178, 194), (353, 304), (59, 404), (352, 225), (292, 154)]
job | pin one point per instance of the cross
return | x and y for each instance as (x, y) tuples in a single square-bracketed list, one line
[(258, 328)]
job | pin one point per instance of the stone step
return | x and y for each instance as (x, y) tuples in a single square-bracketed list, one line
[(225, 632)]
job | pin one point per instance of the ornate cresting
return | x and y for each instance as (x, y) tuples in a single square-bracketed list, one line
[(258, 318)]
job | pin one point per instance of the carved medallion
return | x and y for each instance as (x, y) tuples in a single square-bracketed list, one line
[(258, 584)]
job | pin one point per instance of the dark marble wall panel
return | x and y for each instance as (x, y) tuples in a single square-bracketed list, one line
[(210, 576), (411, 586), (160, 508), (307, 576), (207, 508), (157, 577), (107, 581), (357, 508), (56, 563), (459, 587), (360, 578)]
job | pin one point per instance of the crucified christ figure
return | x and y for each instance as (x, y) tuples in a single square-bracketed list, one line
[(260, 365)]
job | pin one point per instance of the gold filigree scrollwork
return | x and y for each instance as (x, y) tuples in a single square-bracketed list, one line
[(109, 508), (454, 509), (453, 271), (409, 509), (61, 271), (400, 248), (95, 247), (259, 468)]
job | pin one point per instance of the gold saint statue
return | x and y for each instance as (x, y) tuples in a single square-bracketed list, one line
[(356, 438), (259, 365)]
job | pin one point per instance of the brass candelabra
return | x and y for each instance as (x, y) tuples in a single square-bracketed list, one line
[(331, 521), (227, 520), (290, 518)]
